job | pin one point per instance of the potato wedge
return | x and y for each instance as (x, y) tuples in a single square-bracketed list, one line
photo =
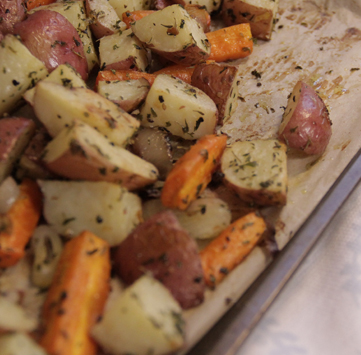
[(219, 82), (260, 14), (104, 21), (257, 171), (123, 50), (81, 153), (180, 108), (15, 134), (75, 12), (121, 6), (15, 343), (145, 308), (58, 107), (20, 71), (173, 34), (306, 125), (64, 74), (127, 94), (113, 216), (162, 247)]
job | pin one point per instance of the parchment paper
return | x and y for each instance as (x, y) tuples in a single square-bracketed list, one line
[(317, 42)]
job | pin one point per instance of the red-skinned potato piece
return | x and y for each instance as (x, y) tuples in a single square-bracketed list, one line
[(162, 247), (51, 38), (11, 12), (306, 125)]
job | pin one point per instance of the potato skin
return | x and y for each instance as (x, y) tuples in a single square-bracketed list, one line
[(11, 12), (51, 38), (306, 125), (162, 247)]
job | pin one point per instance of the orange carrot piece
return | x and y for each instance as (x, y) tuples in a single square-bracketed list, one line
[(32, 4), (179, 71), (18, 224), (231, 43), (121, 74), (192, 172), (77, 296), (230, 248), (129, 17)]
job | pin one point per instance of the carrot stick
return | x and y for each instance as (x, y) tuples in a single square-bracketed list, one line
[(192, 172), (111, 75), (230, 248), (129, 17), (77, 296), (231, 43), (18, 224), (32, 4), (179, 71)]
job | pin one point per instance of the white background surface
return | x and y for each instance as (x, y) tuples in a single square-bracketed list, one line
[(319, 310)]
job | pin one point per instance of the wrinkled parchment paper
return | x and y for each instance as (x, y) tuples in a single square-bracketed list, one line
[(318, 42)]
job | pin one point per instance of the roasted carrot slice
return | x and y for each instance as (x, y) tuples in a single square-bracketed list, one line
[(230, 248), (32, 4), (18, 224), (179, 71), (129, 17), (192, 172), (111, 75), (77, 296), (231, 43)]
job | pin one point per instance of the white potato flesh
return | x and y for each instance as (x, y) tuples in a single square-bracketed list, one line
[(122, 50), (19, 343), (65, 75), (81, 153), (260, 14), (257, 171), (74, 12), (20, 70), (182, 109), (121, 6), (127, 94), (14, 318), (172, 30), (145, 319), (58, 107), (104, 21), (108, 210)]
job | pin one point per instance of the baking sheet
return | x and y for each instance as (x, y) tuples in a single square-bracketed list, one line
[(317, 42)]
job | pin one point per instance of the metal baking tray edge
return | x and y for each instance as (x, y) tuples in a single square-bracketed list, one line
[(228, 334)]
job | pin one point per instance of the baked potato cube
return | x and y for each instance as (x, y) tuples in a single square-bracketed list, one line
[(74, 12), (15, 343), (153, 145), (79, 152), (127, 94), (65, 75), (51, 38), (14, 318), (260, 14), (144, 319), (257, 171), (219, 82), (104, 21), (30, 164), (15, 134), (173, 34), (160, 246), (106, 209), (121, 6), (200, 14), (180, 108), (123, 50), (306, 125), (20, 71), (58, 107)]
